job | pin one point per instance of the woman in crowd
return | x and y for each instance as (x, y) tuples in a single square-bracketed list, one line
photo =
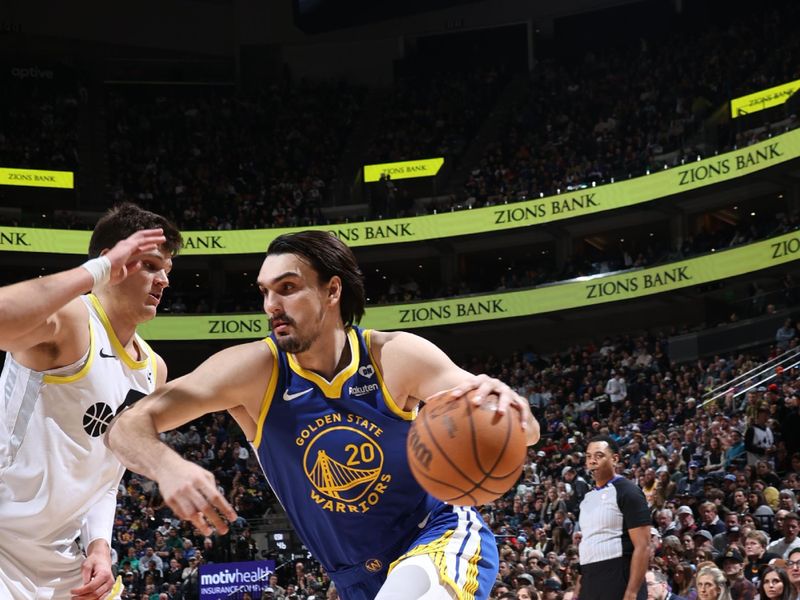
[(551, 505), (714, 456), (665, 487), (527, 592), (683, 581), (787, 500), (712, 585), (774, 585), (759, 508), (793, 571)]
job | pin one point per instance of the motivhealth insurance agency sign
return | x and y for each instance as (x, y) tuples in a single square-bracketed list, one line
[(219, 581)]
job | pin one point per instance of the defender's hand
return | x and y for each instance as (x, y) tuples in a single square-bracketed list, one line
[(98, 580), (122, 253)]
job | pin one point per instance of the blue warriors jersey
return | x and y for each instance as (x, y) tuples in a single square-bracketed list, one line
[(334, 452)]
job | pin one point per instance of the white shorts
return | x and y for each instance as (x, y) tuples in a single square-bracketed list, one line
[(30, 571), (417, 578)]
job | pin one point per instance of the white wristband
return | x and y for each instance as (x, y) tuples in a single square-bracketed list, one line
[(100, 270)]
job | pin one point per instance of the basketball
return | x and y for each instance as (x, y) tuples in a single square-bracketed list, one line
[(464, 454)]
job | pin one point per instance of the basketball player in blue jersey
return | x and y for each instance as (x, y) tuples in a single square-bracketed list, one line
[(327, 407), (73, 361)]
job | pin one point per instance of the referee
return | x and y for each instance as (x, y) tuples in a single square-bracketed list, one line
[(615, 523)]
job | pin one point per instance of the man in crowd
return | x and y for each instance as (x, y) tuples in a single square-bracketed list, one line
[(731, 535), (755, 549), (691, 484), (703, 541), (789, 541), (759, 440), (732, 563), (658, 587), (709, 520), (686, 522)]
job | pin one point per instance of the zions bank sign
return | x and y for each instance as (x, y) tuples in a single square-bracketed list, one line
[(579, 203), (575, 293)]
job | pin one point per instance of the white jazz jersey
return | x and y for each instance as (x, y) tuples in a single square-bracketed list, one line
[(53, 463)]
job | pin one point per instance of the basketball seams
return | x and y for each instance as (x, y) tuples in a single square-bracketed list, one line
[(498, 458), (464, 493), (447, 467), (433, 439)]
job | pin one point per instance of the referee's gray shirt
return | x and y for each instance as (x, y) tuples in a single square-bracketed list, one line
[(607, 513)]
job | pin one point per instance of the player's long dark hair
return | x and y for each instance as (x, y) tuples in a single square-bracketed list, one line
[(329, 256)]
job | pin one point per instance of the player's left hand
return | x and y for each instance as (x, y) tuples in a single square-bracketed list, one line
[(506, 399), (98, 580)]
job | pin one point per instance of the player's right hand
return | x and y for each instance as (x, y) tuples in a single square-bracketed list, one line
[(192, 493), (122, 254)]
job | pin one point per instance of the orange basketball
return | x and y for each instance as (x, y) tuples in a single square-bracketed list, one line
[(465, 454)]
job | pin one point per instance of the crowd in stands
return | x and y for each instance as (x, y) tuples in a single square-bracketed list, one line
[(721, 478), (214, 158), (515, 272), (39, 128), (619, 112), (210, 158), (437, 114)]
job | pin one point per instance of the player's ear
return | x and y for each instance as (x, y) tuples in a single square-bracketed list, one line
[(335, 288)]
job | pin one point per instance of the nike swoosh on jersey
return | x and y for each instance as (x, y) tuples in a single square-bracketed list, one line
[(103, 355), (289, 397)]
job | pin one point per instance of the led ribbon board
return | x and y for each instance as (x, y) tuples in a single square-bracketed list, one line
[(409, 169), (37, 178), (576, 293), (774, 96), (724, 167)]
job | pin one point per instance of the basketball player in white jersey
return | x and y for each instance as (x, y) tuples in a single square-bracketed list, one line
[(73, 362)]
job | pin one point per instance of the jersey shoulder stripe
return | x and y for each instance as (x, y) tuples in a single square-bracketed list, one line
[(84, 370), (408, 415), (266, 401), (119, 349)]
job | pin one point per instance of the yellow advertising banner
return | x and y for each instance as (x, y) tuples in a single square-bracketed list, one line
[(37, 178), (424, 167), (631, 192), (774, 96), (582, 292)]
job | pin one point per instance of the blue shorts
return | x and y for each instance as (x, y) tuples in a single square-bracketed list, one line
[(458, 542)]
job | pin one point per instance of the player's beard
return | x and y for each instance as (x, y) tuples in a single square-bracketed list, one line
[(295, 343)]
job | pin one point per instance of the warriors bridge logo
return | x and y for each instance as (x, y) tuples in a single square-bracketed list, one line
[(344, 464)]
